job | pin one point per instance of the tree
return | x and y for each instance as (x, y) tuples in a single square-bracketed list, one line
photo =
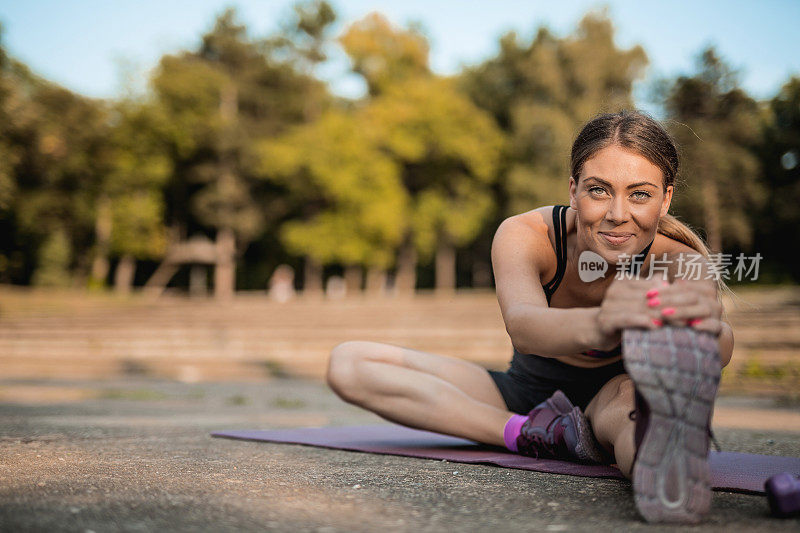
[(132, 204), (718, 128), (775, 224), (354, 207), (58, 164), (448, 150), (221, 98), (9, 97), (540, 93), (385, 55), (12, 119)]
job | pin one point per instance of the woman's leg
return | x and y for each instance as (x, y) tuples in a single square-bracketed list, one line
[(609, 414), (419, 389)]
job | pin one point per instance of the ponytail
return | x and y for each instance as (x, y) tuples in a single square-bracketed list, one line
[(673, 228)]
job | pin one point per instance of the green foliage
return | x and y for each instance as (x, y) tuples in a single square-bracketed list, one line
[(138, 169), (220, 101), (449, 152), (8, 156), (53, 261), (239, 133), (334, 163), (309, 29), (718, 127), (57, 141), (137, 225), (540, 94), (189, 90), (417, 158), (385, 55), (779, 154)]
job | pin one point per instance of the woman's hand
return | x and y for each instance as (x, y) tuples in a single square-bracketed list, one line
[(691, 303), (629, 303)]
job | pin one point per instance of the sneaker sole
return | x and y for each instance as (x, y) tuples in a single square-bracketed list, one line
[(676, 370), (586, 449)]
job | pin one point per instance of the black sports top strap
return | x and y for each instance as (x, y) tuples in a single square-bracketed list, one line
[(560, 228), (638, 260)]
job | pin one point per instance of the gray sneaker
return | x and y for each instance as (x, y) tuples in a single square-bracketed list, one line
[(676, 372)]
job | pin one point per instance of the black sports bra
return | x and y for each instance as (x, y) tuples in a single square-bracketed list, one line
[(560, 228), (559, 222)]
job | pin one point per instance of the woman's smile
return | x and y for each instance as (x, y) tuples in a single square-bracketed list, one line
[(614, 238)]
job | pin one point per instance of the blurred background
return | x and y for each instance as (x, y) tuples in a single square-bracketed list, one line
[(205, 191)]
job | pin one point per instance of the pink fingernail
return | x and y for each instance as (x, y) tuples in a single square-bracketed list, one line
[(658, 322), (693, 321), (651, 293), (654, 302), (668, 311)]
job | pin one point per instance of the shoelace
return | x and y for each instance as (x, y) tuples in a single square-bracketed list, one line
[(540, 442), (543, 441), (632, 416)]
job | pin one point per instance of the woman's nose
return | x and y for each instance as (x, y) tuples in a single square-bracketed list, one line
[(617, 210)]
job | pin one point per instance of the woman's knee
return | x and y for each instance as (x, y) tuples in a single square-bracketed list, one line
[(342, 375), (609, 410), (616, 394), (625, 391)]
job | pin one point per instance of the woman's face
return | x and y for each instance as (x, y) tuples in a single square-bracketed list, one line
[(619, 197)]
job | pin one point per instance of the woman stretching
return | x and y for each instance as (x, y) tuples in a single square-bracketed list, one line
[(566, 393)]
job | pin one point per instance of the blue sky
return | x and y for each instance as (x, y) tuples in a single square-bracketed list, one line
[(82, 43)]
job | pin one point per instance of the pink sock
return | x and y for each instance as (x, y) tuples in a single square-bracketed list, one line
[(512, 430)]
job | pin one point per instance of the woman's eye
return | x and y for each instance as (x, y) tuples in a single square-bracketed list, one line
[(596, 190), (641, 195)]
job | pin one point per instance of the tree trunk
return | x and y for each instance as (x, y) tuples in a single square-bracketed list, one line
[(406, 278), (353, 279), (225, 268), (123, 275), (712, 215), (376, 282), (102, 233), (445, 268), (225, 271), (312, 278)]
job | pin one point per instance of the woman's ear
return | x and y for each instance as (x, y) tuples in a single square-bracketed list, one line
[(666, 201), (573, 191)]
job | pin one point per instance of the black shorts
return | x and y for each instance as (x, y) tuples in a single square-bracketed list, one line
[(523, 390)]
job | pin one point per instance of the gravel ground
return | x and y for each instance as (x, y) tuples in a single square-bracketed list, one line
[(136, 455)]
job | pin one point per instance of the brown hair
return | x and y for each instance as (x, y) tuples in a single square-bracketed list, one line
[(642, 134)]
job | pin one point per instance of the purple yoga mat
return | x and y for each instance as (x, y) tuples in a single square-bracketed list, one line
[(740, 472)]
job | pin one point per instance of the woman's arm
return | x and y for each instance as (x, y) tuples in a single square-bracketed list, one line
[(521, 250), (553, 332)]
